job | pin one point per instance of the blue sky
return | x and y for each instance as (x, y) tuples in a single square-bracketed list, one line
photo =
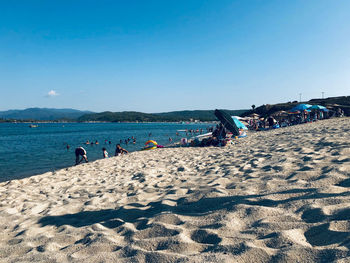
[(156, 56)]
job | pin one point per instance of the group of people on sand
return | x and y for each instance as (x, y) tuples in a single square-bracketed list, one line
[(218, 138), (80, 153), (305, 116)]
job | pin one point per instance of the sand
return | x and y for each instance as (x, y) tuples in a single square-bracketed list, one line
[(275, 196)]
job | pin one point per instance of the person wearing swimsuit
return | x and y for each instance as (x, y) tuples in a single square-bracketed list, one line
[(119, 150), (80, 151)]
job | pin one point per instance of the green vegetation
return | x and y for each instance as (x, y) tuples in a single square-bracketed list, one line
[(175, 116), (42, 114), (131, 116)]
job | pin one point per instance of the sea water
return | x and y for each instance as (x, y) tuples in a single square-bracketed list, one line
[(26, 151)]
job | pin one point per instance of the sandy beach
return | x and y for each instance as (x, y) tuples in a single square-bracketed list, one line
[(274, 196)]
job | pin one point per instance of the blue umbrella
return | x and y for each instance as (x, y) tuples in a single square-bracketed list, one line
[(300, 107), (317, 107), (239, 124)]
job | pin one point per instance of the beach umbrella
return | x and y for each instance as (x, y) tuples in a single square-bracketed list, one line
[(317, 107), (294, 112), (238, 118), (239, 124), (227, 121), (280, 113), (300, 107), (254, 116)]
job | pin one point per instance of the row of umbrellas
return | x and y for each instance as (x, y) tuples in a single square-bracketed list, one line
[(234, 123), (297, 109), (302, 107)]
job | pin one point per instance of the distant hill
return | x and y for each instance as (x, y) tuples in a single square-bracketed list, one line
[(42, 114), (132, 116), (331, 103), (202, 115)]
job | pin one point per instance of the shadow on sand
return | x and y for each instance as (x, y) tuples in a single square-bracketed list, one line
[(139, 214)]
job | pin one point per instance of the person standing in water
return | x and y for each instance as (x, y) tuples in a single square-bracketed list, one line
[(80, 151), (105, 153)]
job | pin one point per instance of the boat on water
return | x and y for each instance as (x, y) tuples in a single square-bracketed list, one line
[(33, 126)]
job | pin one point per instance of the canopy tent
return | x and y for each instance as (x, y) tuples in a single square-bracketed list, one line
[(300, 107), (239, 124), (227, 121)]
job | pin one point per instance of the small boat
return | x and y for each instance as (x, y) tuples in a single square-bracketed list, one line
[(33, 126)]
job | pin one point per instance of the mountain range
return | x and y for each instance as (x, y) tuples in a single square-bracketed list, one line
[(47, 114), (173, 116), (43, 114)]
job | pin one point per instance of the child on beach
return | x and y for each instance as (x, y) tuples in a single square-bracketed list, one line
[(119, 150), (80, 151), (105, 153)]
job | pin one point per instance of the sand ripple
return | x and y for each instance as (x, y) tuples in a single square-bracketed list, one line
[(277, 196)]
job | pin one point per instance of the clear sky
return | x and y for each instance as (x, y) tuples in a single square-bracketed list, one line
[(156, 56)]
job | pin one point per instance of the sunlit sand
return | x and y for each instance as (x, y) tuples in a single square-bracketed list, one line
[(280, 195)]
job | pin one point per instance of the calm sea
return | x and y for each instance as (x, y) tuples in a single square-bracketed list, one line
[(26, 151)]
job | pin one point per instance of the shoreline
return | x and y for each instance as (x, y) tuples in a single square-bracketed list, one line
[(126, 122), (45, 146), (281, 195)]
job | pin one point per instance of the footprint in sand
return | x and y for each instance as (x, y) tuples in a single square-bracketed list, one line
[(169, 219), (322, 236), (204, 237), (344, 183), (313, 215), (276, 241), (155, 230)]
